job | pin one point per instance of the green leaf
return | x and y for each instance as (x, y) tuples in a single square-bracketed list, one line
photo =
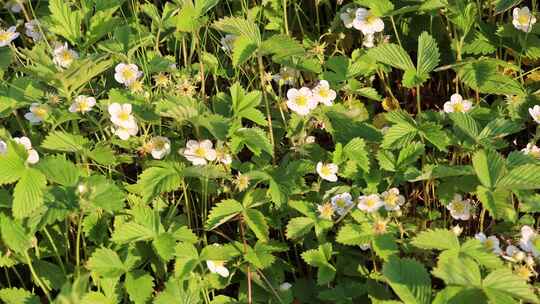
[(164, 245), (131, 232), (398, 136), (410, 154), (428, 54), (385, 246), (356, 150), (522, 177), (460, 295), (392, 55), (466, 124), (66, 142), (28, 193), (298, 227), (106, 263), (104, 194), (502, 285), (435, 135), (409, 279), (353, 234), (254, 139), (243, 49), (458, 271), (12, 163), (139, 286), (257, 223), (155, 181), (319, 258), (489, 166), (484, 77), (59, 170), (18, 296), (13, 235), (239, 27), (66, 22), (497, 202), (222, 212), (440, 239)]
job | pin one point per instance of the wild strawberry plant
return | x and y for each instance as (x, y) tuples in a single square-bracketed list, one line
[(206, 151)]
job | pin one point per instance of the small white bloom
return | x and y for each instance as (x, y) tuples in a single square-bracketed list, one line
[(457, 104), (224, 158), (199, 152), (366, 22), (82, 188), (33, 156), (121, 115), (490, 242), (529, 238), (6, 36), (513, 254), (227, 42), (369, 41), (301, 101), (127, 73), (37, 114), (285, 286), (342, 202), (523, 20), (370, 203), (323, 93), (82, 104), (326, 211), (327, 171), (14, 6), (460, 209), (3, 147), (392, 199), (457, 230), (32, 30), (535, 113), (348, 17), (63, 56), (218, 267), (286, 76), (310, 139), (161, 147), (125, 133), (532, 150), (365, 246)]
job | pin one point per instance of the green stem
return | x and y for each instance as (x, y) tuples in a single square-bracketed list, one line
[(36, 277)]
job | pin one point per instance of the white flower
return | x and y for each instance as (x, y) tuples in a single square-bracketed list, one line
[(63, 56), (348, 17), (227, 42), (370, 203), (285, 286), (3, 147), (218, 267), (365, 246), (127, 73), (342, 202), (529, 238), (14, 6), (523, 20), (513, 254), (121, 115), (6, 36), (326, 211), (223, 157), (33, 156), (392, 199), (286, 76), (535, 113), (457, 230), (125, 133), (490, 242), (460, 209), (367, 23), (82, 104), (457, 104), (323, 93), (37, 113), (327, 171), (199, 152), (369, 40), (532, 150), (32, 30), (161, 147), (310, 139), (301, 101)]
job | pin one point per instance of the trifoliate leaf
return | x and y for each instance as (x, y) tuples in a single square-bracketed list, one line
[(409, 279), (222, 212), (298, 227), (139, 286), (28, 193), (106, 263), (502, 285), (59, 170)]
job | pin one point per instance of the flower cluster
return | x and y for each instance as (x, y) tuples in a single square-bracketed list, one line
[(304, 100)]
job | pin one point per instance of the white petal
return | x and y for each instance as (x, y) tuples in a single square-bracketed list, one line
[(33, 157)]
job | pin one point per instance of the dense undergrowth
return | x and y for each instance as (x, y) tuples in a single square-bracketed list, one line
[(275, 151)]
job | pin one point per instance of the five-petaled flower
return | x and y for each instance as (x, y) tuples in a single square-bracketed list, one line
[(7, 36), (523, 20), (199, 152), (327, 171), (457, 104), (126, 73)]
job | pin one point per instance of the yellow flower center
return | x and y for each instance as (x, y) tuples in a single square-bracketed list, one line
[(66, 56), (4, 36), (379, 227), (83, 105), (200, 152), (325, 170), (324, 92), (391, 199), (40, 112), (524, 19), (458, 207), (370, 202), (341, 203), (219, 263), (128, 74), (158, 144), (371, 19), (489, 244), (458, 107), (123, 116), (326, 211), (523, 272), (301, 100)]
